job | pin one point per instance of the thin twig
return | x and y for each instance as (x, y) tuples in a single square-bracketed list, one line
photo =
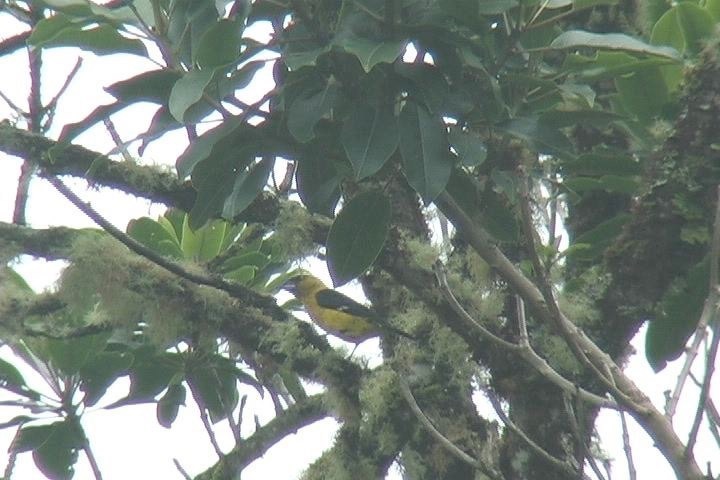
[(235, 290), (566, 468), (181, 470), (588, 352), (208, 428), (627, 447), (522, 322), (712, 352), (122, 147), (50, 107), (526, 352), (704, 391), (580, 437), (713, 419), (543, 284), (707, 315), (435, 433), (92, 460), (14, 106)]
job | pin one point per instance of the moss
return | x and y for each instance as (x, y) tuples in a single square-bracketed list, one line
[(294, 231)]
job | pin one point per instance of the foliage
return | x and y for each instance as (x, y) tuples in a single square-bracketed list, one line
[(514, 119)]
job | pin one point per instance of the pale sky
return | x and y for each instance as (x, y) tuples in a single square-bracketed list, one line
[(128, 442)]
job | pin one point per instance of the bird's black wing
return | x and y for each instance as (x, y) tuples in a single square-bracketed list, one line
[(337, 301)]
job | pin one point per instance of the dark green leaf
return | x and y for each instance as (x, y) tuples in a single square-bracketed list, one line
[(302, 48), (644, 93), (214, 179), (169, 404), (602, 164), (307, 110), (597, 239), (98, 375), (540, 135), (318, 181), (425, 151), (469, 148), (370, 51), (248, 184), (55, 447), (150, 373), (611, 41), (12, 380), (426, 82), (103, 39), (71, 354), (677, 317), (219, 45), (187, 92), (221, 140), (369, 137), (357, 236)]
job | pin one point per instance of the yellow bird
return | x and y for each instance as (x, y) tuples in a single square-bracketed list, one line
[(336, 313)]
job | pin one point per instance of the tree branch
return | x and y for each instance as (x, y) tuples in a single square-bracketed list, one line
[(626, 391), (291, 420)]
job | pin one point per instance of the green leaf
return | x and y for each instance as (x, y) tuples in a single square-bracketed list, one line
[(219, 45), (220, 140), (425, 151), (540, 135), (611, 65), (696, 25), (644, 93), (677, 317), (573, 39), (302, 48), (255, 259), (71, 354), (426, 82), (150, 373), (54, 446), (214, 180), (103, 39), (12, 380), (213, 383), (85, 10), (470, 149), (187, 92), (370, 52), (713, 8), (248, 184), (204, 243), (464, 9), (369, 136), (307, 110), (318, 181), (357, 236), (244, 274), (169, 404), (597, 239), (98, 375), (599, 163), (154, 236)]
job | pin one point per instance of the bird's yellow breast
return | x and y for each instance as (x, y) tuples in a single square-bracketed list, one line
[(348, 327)]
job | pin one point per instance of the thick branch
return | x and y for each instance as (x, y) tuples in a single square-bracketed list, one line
[(256, 445)]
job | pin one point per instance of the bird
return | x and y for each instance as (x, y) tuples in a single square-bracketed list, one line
[(336, 313)]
